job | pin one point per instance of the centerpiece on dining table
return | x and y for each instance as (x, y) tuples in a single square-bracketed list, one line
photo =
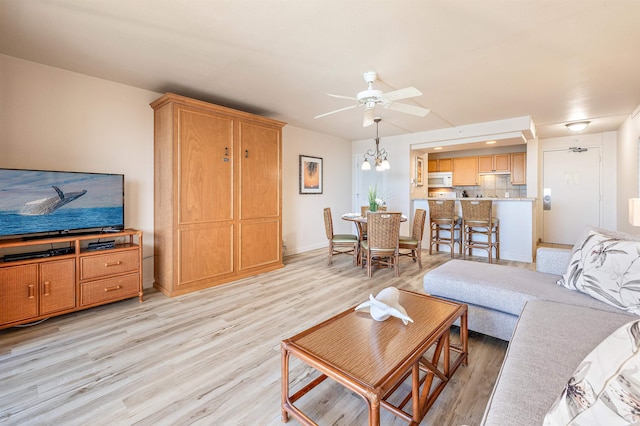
[(374, 201)]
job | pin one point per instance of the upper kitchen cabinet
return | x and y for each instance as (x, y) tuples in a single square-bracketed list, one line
[(465, 171), (518, 168), (440, 165), (496, 163)]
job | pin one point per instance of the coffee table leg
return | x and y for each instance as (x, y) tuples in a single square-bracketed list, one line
[(415, 392), (464, 336), (374, 411), (285, 383)]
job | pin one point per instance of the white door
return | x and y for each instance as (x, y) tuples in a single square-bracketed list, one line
[(571, 193), (366, 179)]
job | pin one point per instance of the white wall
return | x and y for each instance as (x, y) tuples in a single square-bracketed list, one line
[(302, 214), (53, 119), (628, 169)]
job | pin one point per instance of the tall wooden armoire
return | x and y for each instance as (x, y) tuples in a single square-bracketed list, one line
[(218, 205)]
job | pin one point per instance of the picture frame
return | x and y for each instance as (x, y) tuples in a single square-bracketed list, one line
[(419, 171), (311, 174)]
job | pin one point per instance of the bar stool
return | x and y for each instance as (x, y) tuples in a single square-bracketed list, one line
[(477, 220), (442, 217)]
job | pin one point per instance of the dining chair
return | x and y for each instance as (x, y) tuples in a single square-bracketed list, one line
[(445, 228), (339, 243), (478, 220), (414, 242), (363, 213), (381, 244)]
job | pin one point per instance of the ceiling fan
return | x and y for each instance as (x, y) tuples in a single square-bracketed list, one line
[(371, 97)]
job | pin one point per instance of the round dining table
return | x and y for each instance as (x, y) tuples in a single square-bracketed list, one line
[(359, 220)]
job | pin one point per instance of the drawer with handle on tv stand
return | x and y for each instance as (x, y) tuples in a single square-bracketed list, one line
[(70, 277)]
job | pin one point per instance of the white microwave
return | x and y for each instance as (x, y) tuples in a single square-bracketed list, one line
[(440, 180)]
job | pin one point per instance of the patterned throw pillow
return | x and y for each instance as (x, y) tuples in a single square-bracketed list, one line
[(605, 388), (607, 269)]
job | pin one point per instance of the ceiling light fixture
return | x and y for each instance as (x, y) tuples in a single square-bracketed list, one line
[(490, 142), (577, 126), (379, 156)]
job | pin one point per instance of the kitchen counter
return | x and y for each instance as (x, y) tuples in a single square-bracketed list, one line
[(517, 239), (479, 198)]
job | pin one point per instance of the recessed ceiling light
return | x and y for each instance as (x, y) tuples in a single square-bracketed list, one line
[(437, 148), (490, 142), (577, 126)]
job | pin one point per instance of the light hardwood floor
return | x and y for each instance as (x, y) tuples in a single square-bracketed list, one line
[(213, 357)]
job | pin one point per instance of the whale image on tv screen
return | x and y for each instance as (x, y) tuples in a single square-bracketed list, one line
[(39, 201)]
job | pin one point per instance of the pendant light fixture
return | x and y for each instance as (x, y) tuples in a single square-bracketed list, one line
[(379, 156)]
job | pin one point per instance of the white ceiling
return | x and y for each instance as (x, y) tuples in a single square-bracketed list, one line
[(475, 61)]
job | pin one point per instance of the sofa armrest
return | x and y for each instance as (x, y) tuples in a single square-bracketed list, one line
[(552, 260)]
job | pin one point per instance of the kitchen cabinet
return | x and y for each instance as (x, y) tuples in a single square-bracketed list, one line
[(465, 171), (440, 165), (518, 168), (496, 163), (40, 287), (218, 203)]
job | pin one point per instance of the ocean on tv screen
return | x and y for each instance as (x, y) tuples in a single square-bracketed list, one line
[(14, 223)]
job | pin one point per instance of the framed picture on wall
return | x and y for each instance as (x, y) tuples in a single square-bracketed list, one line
[(310, 175), (419, 171)]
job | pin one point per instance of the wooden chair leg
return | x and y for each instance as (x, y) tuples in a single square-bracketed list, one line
[(430, 238), (490, 243), (395, 264)]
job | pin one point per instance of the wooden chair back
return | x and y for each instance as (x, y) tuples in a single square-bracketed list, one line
[(419, 218), (363, 212), (384, 230), (476, 210), (328, 223), (442, 209)]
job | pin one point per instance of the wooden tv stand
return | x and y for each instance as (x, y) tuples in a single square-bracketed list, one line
[(42, 287)]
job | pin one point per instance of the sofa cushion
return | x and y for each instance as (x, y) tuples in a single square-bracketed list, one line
[(499, 287), (607, 269), (547, 345), (605, 388)]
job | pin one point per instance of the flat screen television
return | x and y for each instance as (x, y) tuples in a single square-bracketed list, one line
[(43, 203)]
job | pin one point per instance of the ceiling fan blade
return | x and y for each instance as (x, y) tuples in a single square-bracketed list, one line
[(368, 117), (409, 109), (407, 92), (333, 112), (342, 97)]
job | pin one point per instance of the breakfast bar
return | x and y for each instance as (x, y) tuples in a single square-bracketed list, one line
[(517, 225)]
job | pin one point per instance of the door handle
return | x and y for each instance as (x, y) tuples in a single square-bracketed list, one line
[(546, 199)]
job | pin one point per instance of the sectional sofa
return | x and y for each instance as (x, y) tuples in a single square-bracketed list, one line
[(552, 329)]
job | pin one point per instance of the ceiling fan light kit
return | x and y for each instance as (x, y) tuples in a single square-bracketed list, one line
[(371, 97), (379, 156)]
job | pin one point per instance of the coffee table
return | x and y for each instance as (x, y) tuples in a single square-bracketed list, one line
[(374, 358)]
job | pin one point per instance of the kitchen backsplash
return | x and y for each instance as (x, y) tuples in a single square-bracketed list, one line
[(494, 186), (491, 186)]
